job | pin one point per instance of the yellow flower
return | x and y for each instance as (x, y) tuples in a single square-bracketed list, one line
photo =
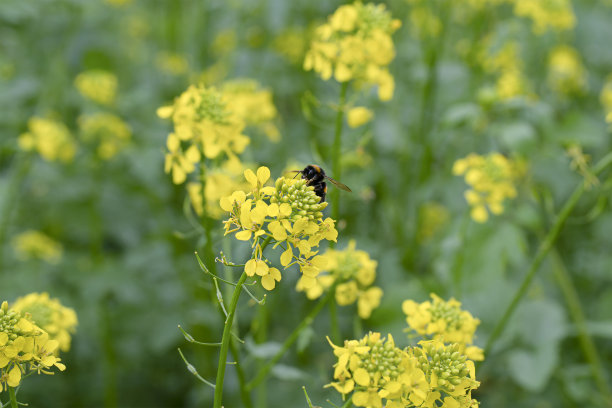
[(36, 245), (98, 85), (171, 63), (606, 98), (292, 44), (358, 116), (108, 131), (566, 74), (432, 218), (49, 314), (547, 14), (355, 44), (51, 139)]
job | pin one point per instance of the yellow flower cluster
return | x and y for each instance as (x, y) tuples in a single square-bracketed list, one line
[(355, 44), (358, 116), (492, 179), (606, 98), (203, 126), (108, 131), (292, 44), (36, 245), (566, 74), (507, 65), (290, 214), (49, 314), (50, 138), (98, 85), (378, 373), (432, 218), (546, 14), (444, 321), (171, 63), (24, 348), (353, 272), (246, 99), (423, 21)]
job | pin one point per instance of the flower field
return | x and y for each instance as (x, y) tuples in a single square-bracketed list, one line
[(268, 204)]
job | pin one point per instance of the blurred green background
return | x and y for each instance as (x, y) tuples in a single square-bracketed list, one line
[(127, 265)]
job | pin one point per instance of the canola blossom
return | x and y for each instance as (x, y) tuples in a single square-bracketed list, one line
[(49, 138), (24, 348), (379, 374), (566, 74), (492, 180), (97, 85), (106, 131), (353, 272), (288, 213), (507, 66), (37, 245), (606, 98), (546, 14), (50, 315), (443, 321), (355, 45)]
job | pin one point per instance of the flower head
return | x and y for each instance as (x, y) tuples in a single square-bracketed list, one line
[(107, 131), (547, 14), (50, 138), (566, 74), (34, 244), (98, 85), (355, 44)]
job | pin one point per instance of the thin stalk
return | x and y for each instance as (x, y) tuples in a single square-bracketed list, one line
[(333, 319), (337, 152), (587, 344), (13, 397), (225, 341), (457, 270), (307, 321), (542, 252)]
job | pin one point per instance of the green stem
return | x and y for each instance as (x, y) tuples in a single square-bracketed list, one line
[(575, 309), (457, 270), (542, 252), (12, 197), (337, 152), (333, 319), (13, 397), (307, 321), (225, 341)]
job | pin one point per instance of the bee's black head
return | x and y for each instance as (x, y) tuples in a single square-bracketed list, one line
[(312, 171)]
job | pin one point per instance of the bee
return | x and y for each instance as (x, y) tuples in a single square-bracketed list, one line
[(316, 177)]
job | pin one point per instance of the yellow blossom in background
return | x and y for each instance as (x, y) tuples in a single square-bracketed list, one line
[(293, 44), (507, 65), (24, 348), (98, 85), (547, 14), (107, 131), (49, 314), (423, 22), (355, 44), (353, 272), (118, 3), (50, 138), (358, 116), (566, 74), (443, 321), (606, 98), (492, 179), (171, 63), (432, 218), (203, 127), (36, 245), (290, 213), (247, 100)]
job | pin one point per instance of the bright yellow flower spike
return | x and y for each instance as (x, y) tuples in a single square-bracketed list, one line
[(98, 85), (51, 139)]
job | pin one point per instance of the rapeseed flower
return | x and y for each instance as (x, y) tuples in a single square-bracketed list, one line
[(507, 65), (98, 85), (566, 74), (432, 218), (492, 179), (355, 44), (358, 116), (171, 63), (50, 315), (37, 245), (108, 132), (606, 98), (50, 138), (290, 213), (353, 272), (547, 14)]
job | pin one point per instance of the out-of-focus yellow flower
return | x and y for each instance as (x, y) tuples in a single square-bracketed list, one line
[(36, 245), (355, 44), (293, 44), (358, 116), (423, 21), (98, 85), (50, 138), (118, 3), (171, 63), (49, 314), (566, 74), (492, 179), (108, 131), (606, 98), (24, 348), (245, 99), (290, 214), (507, 65), (225, 42), (547, 14), (432, 218), (444, 321), (354, 272)]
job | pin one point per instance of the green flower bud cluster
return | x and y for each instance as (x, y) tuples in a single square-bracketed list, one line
[(8, 322), (447, 311), (302, 198), (383, 359), (446, 362), (210, 106)]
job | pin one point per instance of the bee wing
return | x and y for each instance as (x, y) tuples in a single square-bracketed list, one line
[(338, 184)]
